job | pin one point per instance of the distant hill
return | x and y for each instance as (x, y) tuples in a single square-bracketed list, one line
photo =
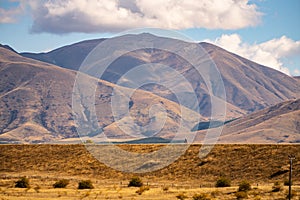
[(277, 124), (249, 86), (151, 140)]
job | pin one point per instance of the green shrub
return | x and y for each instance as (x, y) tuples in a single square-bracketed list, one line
[(61, 183), (142, 189), (135, 182), (276, 187), (87, 184), (223, 182), (181, 196), (241, 195), (244, 186), (22, 183), (201, 197)]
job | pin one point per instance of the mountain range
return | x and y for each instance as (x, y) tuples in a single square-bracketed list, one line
[(36, 95)]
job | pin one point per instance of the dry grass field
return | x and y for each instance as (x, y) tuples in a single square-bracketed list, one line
[(261, 165)]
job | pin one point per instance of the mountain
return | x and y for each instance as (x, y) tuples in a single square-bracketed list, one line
[(70, 56), (36, 97), (277, 124), (36, 105), (249, 86)]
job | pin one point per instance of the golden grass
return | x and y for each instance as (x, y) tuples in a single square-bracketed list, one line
[(262, 192), (45, 164)]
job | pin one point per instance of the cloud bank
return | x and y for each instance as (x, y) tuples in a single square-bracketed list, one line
[(65, 16), (270, 53)]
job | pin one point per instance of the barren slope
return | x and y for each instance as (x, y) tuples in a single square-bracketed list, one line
[(276, 124), (36, 104)]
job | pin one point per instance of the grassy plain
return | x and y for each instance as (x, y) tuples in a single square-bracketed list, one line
[(261, 165)]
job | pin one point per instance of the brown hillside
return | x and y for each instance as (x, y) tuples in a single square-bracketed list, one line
[(36, 103), (259, 164), (276, 124), (279, 123)]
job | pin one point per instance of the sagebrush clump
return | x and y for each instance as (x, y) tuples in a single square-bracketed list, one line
[(87, 184), (61, 183), (286, 182), (223, 182), (244, 186), (22, 183), (135, 182)]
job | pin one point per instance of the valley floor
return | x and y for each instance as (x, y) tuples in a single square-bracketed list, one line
[(154, 193)]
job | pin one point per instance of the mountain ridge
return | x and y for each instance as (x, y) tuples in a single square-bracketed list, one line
[(249, 86)]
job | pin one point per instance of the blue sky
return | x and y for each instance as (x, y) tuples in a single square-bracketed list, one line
[(266, 31)]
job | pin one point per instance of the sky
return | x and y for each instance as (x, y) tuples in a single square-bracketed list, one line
[(265, 31)]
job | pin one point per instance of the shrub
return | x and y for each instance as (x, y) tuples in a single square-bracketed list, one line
[(142, 189), (61, 183), (135, 182), (286, 182), (165, 188), (87, 184), (223, 182), (276, 187), (200, 197), (244, 186), (241, 195), (22, 183), (181, 196)]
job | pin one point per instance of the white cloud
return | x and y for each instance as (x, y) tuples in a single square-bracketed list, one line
[(270, 53), (8, 16), (64, 16)]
